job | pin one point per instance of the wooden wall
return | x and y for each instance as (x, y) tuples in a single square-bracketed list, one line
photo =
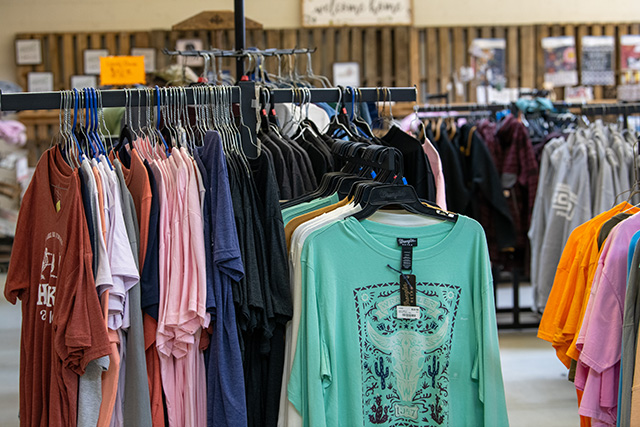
[(388, 56)]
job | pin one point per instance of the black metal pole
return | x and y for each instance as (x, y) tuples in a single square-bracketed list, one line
[(240, 36)]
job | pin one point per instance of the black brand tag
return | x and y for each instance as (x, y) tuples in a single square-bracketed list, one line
[(407, 251), (408, 290)]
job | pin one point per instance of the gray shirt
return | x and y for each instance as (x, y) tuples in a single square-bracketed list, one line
[(631, 319), (90, 384), (570, 207), (134, 393)]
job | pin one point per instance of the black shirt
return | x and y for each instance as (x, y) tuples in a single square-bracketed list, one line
[(417, 170)]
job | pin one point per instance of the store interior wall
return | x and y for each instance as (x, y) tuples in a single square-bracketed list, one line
[(23, 16)]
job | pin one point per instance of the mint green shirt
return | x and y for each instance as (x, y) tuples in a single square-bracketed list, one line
[(289, 213), (357, 364)]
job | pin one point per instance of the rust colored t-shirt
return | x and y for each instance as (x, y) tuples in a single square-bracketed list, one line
[(51, 273)]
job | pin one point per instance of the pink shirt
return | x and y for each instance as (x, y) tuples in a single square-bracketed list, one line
[(600, 337), (123, 268), (436, 168)]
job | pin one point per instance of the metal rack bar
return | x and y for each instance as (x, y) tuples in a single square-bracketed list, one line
[(110, 98), (399, 94), (238, 53)]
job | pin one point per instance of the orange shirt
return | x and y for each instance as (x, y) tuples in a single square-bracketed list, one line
[(299, 220), (569, 295)]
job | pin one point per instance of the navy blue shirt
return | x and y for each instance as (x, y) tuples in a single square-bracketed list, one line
[(226, 403)]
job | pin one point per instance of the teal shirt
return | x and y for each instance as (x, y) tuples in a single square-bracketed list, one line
[(289, 213), (356, 364)]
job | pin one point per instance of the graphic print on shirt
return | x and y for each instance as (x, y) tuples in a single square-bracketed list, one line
[(564, 201), (405, 362), (49, 276)]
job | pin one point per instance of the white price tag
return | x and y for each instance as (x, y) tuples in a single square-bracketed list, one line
[(406, 312)]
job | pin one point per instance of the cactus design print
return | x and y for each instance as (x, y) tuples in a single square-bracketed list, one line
[(405, 362)]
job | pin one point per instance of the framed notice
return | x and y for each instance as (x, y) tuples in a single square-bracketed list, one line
[(630, 52), (597, 60), (28, 52), (356, 13), (488, 60), (40, 82), (346, 74), (92, 60), (149, 55), (560, 62), (81, 82), (190, 44)]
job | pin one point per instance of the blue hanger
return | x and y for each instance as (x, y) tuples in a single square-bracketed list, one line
[(87, 108), (75, 121), (353, 102), (94, 110), (166, 146)]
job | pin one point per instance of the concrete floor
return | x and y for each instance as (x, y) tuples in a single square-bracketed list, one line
[(536, 386)]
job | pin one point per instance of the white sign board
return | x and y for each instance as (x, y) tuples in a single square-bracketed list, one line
[(81, 82), (149, 57), (346, 74), (92, 60), (28, 52), (190, 44), (356, 13), (40, 82)]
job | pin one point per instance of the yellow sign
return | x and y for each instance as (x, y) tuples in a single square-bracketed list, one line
[(122, 70)]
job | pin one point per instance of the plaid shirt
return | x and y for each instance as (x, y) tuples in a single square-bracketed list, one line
[(516, 163)]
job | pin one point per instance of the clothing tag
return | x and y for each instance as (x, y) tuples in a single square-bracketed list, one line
[(410, 313), (407, 251), (58, 206), (408, 290)]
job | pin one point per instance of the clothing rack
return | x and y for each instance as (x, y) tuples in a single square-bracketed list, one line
[(587, 109), (244, 95), (219, 53)]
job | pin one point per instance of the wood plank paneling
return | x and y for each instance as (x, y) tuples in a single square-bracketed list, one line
[(401, 60), (431, 44), (317, 57), (357, 36), (68, 60), (528, 56), (387, 57), (426, 57), (329, 51), (414, 60), (542, 31), (444, 44), (472, 34), (459, 56), (370, 58), (513, 57)]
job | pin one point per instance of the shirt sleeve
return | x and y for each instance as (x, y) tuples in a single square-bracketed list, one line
[(18, 276), (487, 369), (310, 373), (81, 334)]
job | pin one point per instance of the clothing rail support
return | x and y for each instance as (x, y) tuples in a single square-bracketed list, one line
[(240, 36)]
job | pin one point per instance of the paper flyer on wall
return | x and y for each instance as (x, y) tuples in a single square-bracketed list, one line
[(488, 61), (597, 60), (630, 52), (560, 63)]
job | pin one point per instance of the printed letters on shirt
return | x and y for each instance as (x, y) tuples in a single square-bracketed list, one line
[(49, 276), (564, 201)]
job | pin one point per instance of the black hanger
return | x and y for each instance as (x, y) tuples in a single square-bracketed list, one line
[(381, 195), (331, 182)]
